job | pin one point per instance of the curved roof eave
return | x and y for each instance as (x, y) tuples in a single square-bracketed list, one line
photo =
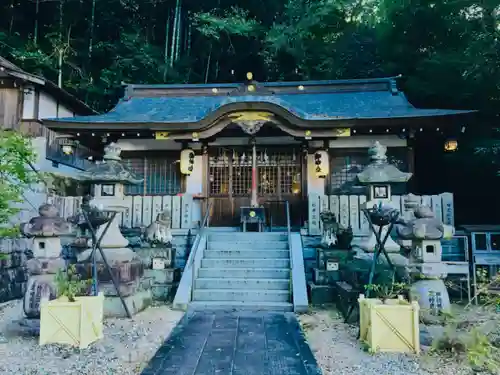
[(128, 115)]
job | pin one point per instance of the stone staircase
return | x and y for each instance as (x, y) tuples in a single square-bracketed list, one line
[(244, 271)]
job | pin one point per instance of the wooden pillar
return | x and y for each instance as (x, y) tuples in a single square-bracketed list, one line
[(412, 183), (205, 179)]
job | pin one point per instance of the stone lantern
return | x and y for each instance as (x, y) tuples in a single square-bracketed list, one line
[(378, 177), (45, 230), (108, 179), (425, 232)]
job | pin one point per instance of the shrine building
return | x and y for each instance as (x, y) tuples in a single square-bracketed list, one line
[(301, 142)]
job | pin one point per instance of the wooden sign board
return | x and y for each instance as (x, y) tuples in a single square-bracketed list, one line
[(161, 135)]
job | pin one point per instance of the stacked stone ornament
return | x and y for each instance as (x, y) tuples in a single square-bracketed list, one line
[(158, 258), (425, 232), (45, 230)]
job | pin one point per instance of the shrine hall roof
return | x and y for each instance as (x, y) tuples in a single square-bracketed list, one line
[(309, 101)]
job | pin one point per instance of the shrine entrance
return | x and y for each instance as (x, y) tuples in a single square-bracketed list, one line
[(279, 179)]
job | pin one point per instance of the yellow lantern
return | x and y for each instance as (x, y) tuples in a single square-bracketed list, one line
[(451, 145), (187, 161), (321, 164)]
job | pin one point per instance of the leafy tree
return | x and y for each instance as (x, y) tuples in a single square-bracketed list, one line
[(16, 154)]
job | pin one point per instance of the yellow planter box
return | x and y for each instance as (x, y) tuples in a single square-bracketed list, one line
[(392, 326), (76, 323)]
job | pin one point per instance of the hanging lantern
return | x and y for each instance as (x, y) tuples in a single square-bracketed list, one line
[(321, 164), (187, 161), (67, 145), (451, 145)]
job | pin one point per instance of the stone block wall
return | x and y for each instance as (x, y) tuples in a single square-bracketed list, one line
[(14, 276), (13, 273), (309, 244)]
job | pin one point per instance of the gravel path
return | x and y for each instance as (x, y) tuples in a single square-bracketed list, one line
[(338, 352), (126, 348)]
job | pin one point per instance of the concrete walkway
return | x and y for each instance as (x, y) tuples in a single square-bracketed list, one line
[(235, 343)]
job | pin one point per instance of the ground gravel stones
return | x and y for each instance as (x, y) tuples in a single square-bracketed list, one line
[(126, 348), (338, 352)]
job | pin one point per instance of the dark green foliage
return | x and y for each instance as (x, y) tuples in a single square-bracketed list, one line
[(447, 50)]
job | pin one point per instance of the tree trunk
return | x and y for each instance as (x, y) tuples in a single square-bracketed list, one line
[(189, 36), (208, 64), (91, 31), (35, 32), (179, 28), (167, 39), (11, 24), (60, 47), (174, 34)]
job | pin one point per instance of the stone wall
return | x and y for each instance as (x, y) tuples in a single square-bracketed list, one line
[(309, 244), (13, 273)]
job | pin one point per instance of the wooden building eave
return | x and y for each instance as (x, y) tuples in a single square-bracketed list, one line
[(296, 128)]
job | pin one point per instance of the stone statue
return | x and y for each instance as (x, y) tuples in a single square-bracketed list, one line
[(159, 230), (330, 228), (334, 234), (45, 230)]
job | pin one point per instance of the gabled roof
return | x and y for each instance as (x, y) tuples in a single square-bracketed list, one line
[(304, 104), (11, 70)]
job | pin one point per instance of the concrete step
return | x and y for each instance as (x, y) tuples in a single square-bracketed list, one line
[(248, 254), (252, 306), (245, 273), (245, 263), (246, 245), (247, 236), (249, 295), (242, 284)]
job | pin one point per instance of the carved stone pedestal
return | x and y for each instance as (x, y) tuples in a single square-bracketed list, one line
[(163, 278), (128, 274), (329, 263)]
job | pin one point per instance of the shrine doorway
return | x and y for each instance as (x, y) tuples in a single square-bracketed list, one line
[(279, 179)]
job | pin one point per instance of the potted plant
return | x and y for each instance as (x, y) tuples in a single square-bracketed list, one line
[(74, 317), (389, 322)]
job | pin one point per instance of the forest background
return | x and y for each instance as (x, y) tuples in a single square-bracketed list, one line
[(447, 51)]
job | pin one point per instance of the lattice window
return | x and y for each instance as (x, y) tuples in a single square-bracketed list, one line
[(161, 175), (290, 172), (278, 171), (218, 174), (346, 164)]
